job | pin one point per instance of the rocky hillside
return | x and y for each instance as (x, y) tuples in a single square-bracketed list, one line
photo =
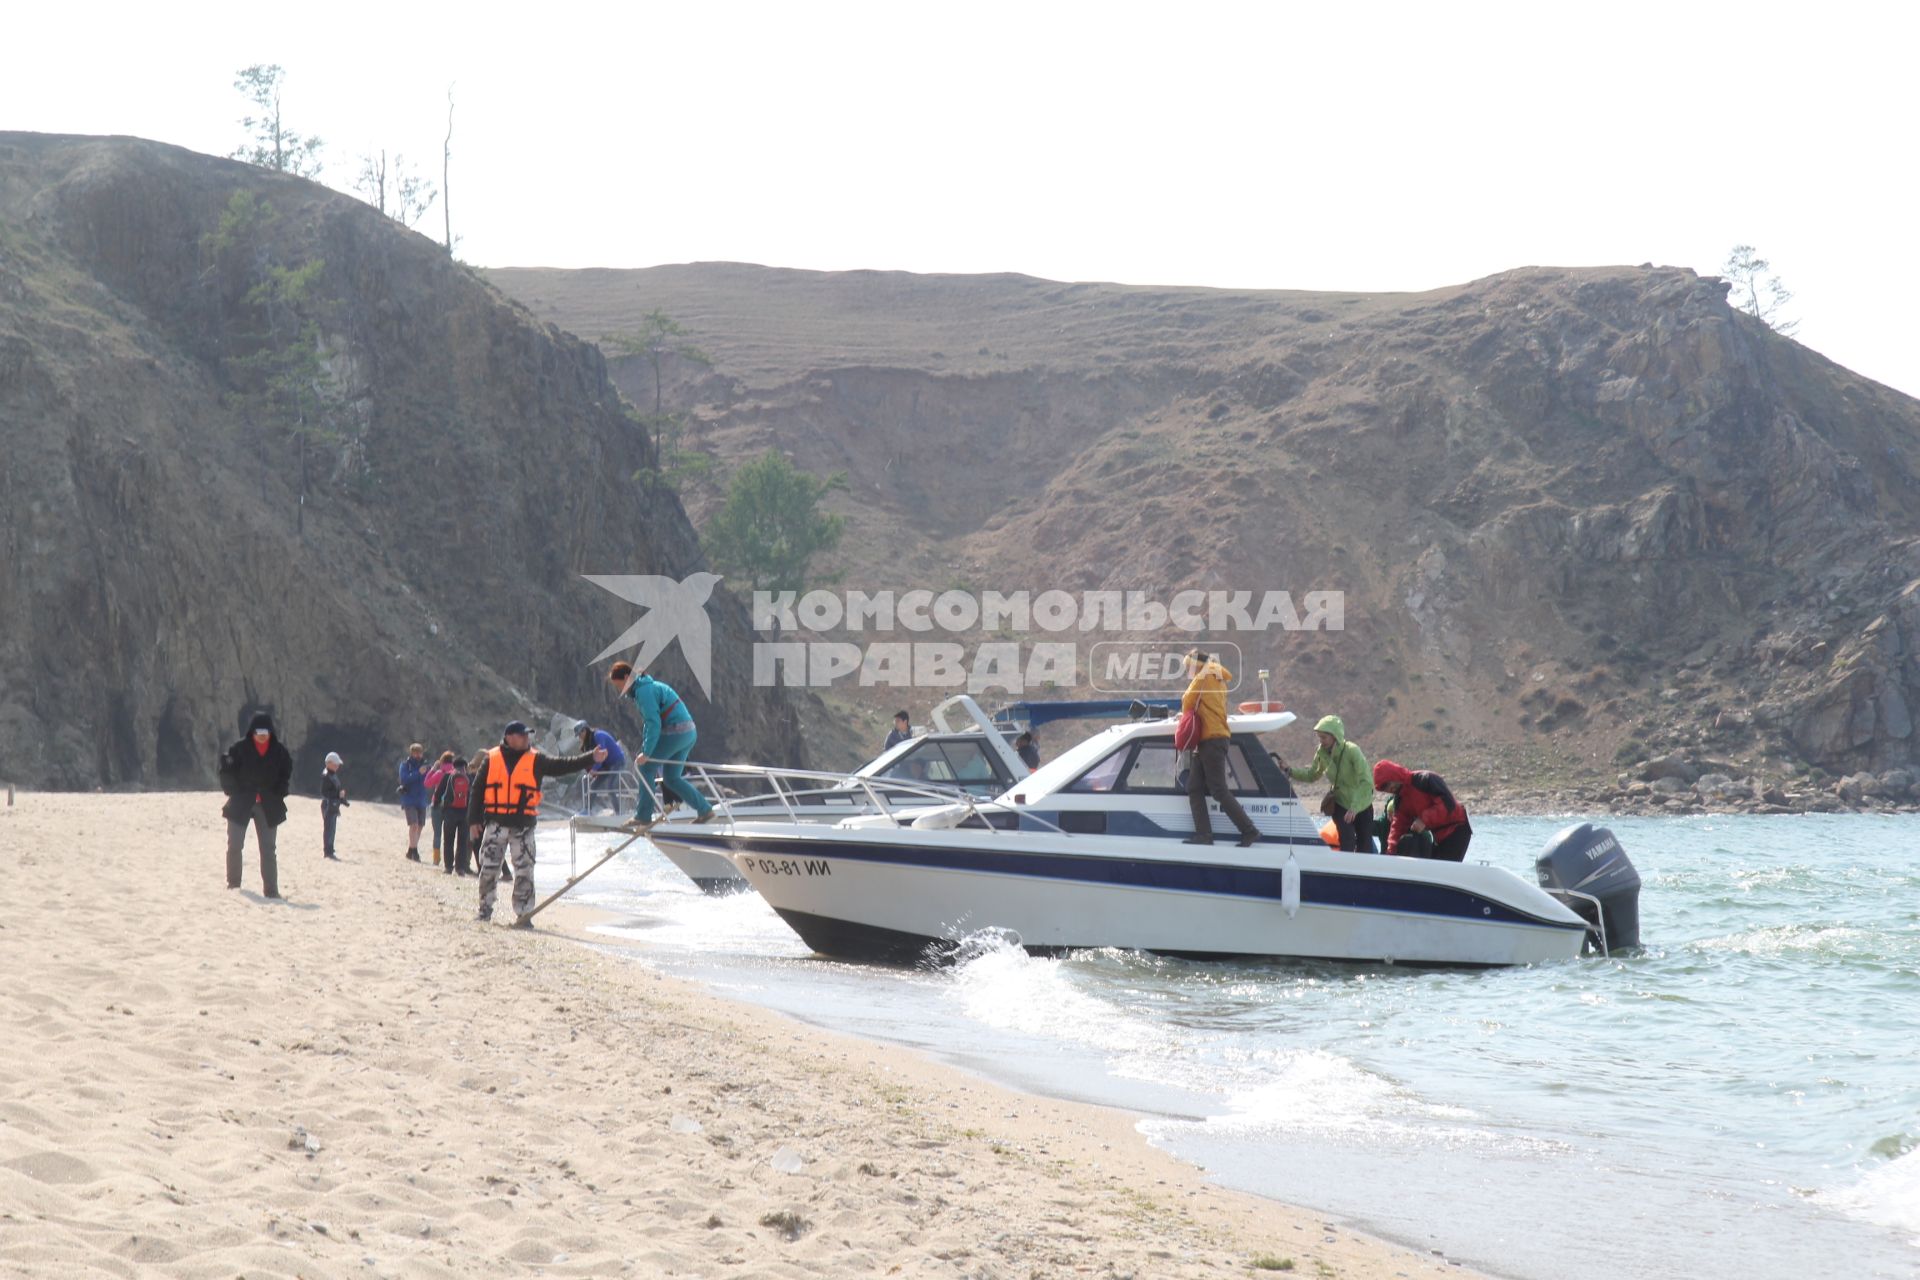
[(261, 447), (1599, 533)]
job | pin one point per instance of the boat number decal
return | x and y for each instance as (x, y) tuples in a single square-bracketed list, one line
[(789, 866)]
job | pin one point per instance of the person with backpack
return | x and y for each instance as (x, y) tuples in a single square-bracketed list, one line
[(667, 740), (1205, 701), (1427, 821), (450, 800), (435, 776)]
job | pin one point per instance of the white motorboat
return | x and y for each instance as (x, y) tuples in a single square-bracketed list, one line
[(1090, 851)]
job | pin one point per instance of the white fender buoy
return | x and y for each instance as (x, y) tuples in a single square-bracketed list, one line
[(1290, 886)]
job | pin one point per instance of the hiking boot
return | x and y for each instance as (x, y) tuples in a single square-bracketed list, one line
[(1197, 840), (521, 922), (413, 855), (483, 915), (331, 857), (273, 897), (1248, 839), (705, 817)]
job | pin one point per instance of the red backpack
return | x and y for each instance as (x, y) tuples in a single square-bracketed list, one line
[(458, 799), (1186, 730)]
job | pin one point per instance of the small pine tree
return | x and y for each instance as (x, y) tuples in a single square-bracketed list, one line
[(1756, 290), (270, 144)]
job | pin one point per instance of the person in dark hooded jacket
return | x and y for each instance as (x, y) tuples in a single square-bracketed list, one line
[(1427, 821), (255, 772)]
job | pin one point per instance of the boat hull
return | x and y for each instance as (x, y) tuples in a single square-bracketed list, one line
[(712, 872), (891, 895)]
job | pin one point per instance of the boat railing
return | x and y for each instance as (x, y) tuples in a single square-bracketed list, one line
[(589, 793), (1598, 924), (790, 788)]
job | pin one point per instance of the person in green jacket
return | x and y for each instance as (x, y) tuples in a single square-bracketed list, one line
[(1347, 772), (1383, 822)]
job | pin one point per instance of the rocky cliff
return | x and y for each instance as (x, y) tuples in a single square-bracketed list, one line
[(261, 447), (1589, 523)]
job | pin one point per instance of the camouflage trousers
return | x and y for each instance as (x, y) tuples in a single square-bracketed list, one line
[(497, 843)]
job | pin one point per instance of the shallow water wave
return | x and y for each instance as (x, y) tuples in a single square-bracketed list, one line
[(1000, 985), (1834, 941), (1887, 1195)]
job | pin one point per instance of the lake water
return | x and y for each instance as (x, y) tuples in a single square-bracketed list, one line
[(1740, 1100)]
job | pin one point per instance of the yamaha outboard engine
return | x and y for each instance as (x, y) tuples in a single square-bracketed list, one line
[(1585, 868)]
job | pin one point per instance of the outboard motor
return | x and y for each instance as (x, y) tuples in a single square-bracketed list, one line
[(1585, 868)]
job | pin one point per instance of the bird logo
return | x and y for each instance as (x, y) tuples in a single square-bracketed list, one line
[(675, 610)]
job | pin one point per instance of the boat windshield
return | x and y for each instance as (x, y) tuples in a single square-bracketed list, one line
[(951, 762), (1153, 766)]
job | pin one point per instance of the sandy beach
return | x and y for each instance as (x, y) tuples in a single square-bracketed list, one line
[(362, 1080)]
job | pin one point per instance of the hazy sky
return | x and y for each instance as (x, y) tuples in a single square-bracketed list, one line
[(1314, 146)]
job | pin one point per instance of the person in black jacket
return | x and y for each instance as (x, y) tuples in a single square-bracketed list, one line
[(333, 798), (504, 805), (255, 772), (1028, 750)]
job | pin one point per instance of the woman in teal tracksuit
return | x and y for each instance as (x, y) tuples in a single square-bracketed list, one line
[(666, 742)]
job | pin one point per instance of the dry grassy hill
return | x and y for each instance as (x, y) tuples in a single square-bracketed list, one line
[(1583, 518)]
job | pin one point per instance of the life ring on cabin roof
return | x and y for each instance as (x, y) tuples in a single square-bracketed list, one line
[(1259, 708)]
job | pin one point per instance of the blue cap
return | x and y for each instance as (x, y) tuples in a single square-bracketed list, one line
[(513, 727)]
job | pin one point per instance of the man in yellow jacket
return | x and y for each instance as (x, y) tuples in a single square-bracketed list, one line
[(1206, 697)]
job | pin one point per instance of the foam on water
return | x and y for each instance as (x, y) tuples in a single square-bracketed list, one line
[(1306, 1091), (999, 985), (1887, 1195), (1714, 1104)]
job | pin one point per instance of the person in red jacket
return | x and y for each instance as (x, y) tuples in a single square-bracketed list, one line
[(1427, 821)]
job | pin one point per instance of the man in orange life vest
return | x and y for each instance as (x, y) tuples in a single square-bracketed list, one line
[(506, 798)]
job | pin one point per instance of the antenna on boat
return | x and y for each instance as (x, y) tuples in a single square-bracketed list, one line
[(1264, 673)]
